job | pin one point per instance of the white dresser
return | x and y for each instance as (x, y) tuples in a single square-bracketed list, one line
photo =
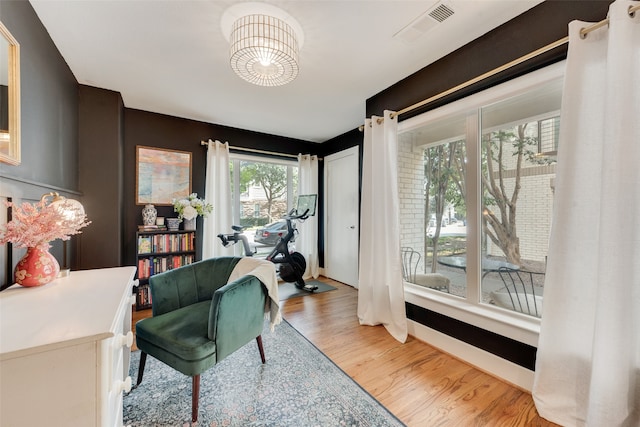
[(65, 350)]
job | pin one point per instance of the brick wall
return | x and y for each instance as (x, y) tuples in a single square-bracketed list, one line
[(411, 190)]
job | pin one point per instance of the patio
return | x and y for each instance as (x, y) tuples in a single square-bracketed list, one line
[(491, 281)]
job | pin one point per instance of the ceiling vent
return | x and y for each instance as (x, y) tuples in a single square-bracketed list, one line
[(425, 22), (440, 12)]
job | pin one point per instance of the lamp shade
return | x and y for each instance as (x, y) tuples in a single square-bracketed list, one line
[(264, 50), (69, 210), (72, 210)]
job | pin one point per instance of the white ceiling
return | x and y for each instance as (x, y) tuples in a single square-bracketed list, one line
[(170, 56)]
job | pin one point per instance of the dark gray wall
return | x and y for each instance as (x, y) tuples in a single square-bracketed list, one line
[(49, 122), (101, 117), (49, 104)]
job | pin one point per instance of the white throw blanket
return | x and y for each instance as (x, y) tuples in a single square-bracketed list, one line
[(264, 271)]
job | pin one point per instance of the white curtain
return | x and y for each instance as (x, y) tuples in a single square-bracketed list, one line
[(380, 288), (588, 363), (307, 239), (218, 193)]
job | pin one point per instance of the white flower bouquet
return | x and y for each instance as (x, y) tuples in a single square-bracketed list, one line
[(191, 206)]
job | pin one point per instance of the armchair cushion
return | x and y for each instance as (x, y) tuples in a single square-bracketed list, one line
[(179, 338)]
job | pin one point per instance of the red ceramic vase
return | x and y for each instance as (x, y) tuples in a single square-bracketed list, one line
[(37, 267)]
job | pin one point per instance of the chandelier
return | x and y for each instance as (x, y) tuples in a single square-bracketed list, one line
[(264, 46)]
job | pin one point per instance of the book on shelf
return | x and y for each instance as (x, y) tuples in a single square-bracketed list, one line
[(152, 228), (144, 296), (144, 244)]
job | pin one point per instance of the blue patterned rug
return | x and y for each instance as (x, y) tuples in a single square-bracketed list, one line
[(298, 386)]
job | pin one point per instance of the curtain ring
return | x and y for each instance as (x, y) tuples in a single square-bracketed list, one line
[(583, 33)]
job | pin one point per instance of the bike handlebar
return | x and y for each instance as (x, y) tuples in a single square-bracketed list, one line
[(301, 216)]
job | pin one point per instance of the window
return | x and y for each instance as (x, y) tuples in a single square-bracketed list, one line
[(548, 136), (476, 195), (262, 190), (433, 210)]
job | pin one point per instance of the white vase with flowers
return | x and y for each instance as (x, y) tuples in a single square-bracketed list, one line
[(189, 208)]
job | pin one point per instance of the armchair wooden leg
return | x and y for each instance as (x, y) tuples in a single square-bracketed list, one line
[(195, 397), (259, 341), (143, 361)]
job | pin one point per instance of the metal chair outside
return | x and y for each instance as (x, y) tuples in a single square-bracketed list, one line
[(410, 262), (520, 295)]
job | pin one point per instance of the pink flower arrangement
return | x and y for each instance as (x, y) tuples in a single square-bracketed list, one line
[(35, 225)]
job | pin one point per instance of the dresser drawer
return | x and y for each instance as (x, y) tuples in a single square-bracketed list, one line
[(117, 378)]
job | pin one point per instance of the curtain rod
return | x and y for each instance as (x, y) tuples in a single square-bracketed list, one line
[(583, 33), (486, 75), (253, 150)]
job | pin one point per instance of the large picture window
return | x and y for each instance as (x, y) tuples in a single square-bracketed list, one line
[(263, 191), (477, 195)]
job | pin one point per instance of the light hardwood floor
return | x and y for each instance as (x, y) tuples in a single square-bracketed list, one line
[(419, 384)]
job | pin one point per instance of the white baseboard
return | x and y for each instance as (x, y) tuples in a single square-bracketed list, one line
[(496, 366)]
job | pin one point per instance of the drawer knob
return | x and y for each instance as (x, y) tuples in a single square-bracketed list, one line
[(125, 340), (123, 386)]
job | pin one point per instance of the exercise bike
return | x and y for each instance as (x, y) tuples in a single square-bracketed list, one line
[(292, 264)]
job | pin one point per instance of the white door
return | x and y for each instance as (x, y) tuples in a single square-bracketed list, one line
[(342, 223)]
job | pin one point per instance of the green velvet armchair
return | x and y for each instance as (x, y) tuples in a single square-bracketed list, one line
[(199, 318)]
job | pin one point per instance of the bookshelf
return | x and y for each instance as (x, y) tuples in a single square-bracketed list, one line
[(159, 251)]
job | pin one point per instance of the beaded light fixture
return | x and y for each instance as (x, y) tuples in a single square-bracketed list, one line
[(263, 45)]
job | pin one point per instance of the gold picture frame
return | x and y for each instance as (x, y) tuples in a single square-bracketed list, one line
[(9, 98), (162, 175)]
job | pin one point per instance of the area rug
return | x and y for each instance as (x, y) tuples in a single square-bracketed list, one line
[(289, 290), (297, 386)]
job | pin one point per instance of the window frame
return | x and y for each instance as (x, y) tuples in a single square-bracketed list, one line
[(236, 158), (472, 310)]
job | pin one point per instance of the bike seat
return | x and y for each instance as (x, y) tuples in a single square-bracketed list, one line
[(237, 228)]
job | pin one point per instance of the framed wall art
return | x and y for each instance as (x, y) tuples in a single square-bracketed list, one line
[(162, 175), (9, 98)]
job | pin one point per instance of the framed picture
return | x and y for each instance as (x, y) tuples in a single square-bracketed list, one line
[(162, 175), (9, 98)]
